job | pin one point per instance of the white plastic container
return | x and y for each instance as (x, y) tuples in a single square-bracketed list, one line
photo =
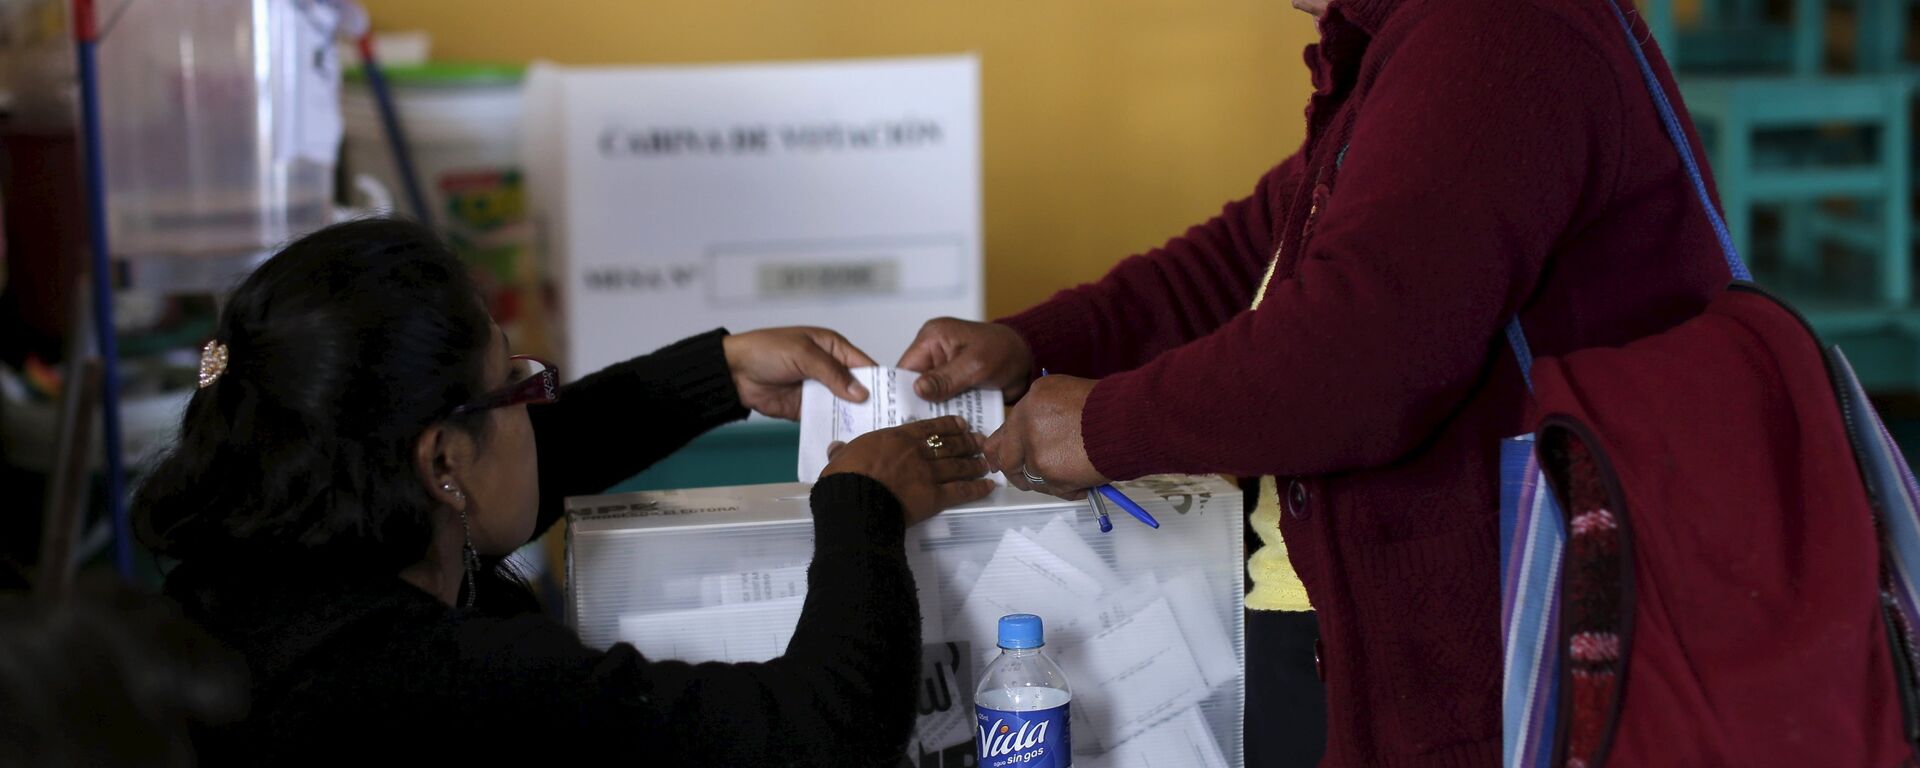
[(220, 122), (462, 123), (1147, 624)]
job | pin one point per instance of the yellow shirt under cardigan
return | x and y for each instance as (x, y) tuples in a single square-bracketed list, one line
[(1275, 586)]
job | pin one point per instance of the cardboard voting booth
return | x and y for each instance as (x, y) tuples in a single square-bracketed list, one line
[(1146, 623)]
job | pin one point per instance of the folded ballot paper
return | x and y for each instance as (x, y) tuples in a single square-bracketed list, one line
[(1145, 623), (826, 419)]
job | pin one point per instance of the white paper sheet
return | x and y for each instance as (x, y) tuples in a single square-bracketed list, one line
[(958, 567), (1060, 537), (1193, 604), (754, 586), (1113, 609), (891, 402), (965, 575), (1023, 577), (1143, 668), (744, 632), (954, 549), (1182, 741)]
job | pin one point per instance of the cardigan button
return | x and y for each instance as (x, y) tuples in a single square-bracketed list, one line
[(1319, 660), (1297, 499)]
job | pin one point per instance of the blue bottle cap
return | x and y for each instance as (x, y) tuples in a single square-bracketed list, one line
[(1021, 630)]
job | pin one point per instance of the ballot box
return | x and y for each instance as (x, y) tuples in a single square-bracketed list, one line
[(1146, 623)]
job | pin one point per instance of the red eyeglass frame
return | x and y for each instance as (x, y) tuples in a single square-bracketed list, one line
[(541, 388)]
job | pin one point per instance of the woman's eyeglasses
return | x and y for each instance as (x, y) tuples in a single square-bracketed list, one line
[(542, 385)]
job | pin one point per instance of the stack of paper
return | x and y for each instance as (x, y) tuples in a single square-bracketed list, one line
[(1184, 740), (1140, 656), (755, 631)]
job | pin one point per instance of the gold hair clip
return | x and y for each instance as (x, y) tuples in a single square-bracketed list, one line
[(213, 362)]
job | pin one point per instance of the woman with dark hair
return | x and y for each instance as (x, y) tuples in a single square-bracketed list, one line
[(361, 456)]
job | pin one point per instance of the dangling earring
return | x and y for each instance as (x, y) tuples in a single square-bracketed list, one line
[(469, 558)]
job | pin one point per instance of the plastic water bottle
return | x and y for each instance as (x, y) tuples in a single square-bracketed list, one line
[(1021, 702)]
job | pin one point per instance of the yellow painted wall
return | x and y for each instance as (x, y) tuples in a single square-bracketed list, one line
[(1108, 125)]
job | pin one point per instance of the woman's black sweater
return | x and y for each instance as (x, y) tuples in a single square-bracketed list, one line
[(353, 668)]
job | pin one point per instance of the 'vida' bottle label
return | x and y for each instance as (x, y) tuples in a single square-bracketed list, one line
[(1032, 739)]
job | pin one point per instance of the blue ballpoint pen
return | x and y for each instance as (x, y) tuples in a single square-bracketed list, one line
[(1100, 513), (1114, 495), (1140, 513)]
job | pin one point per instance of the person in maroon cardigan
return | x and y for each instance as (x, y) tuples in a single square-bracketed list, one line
[(1339, 332)]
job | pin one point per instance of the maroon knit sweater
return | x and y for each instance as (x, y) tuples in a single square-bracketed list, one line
[(1464, 160)]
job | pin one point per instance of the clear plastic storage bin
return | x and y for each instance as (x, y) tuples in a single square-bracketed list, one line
[(220, 120), (1147, 623)]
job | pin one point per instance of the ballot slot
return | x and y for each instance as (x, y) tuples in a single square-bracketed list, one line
[(1147, 624)]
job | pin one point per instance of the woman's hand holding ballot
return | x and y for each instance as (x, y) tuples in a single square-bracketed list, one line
[(929, 465), (769, 366), (1040, 448), (953, 356)]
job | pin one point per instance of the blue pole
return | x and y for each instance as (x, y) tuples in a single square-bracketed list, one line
[(396, 137), (84, 37)]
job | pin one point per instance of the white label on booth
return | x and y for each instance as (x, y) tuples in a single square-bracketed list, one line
[(841, 194)]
